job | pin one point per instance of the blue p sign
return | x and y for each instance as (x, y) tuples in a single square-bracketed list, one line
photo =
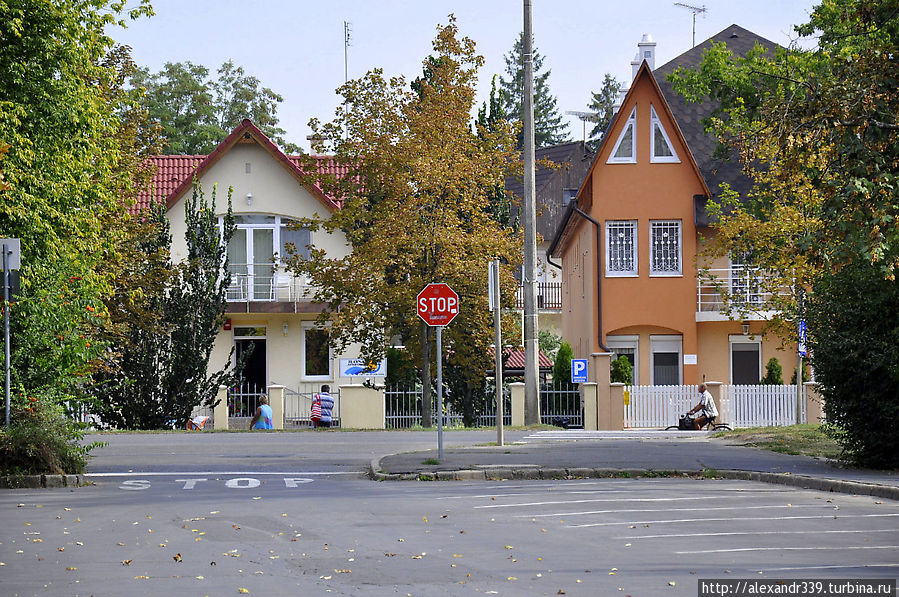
[(578, 370)]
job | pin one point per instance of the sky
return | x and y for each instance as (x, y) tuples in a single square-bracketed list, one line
[(296, 47)]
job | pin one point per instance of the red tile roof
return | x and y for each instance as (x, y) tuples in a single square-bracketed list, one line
[(174, 173), (515, 359)]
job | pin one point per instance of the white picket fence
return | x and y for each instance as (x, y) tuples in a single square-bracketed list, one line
[(740, 406)]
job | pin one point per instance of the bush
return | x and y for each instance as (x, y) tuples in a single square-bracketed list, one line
[(622, 371), (853, 323), (562, 364), (774, 373), (42, 439)]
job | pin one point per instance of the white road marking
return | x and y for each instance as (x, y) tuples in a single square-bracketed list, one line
[(820, 548), (135, 485), (557, 502), (834, 567), (189, 483), (587, 512), (242, 483), (220, 473), (681, 520), (728, 534)]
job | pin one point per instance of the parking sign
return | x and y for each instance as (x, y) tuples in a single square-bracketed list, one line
[(578, 370)]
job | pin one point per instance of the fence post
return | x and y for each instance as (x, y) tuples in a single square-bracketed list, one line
[(220, 411), (276, 401), (716, 389), (615, 421), (517, 389), (362, 407), (588, 399), (814, 403)]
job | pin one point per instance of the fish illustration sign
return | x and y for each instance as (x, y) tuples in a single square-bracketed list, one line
[(363, 368)]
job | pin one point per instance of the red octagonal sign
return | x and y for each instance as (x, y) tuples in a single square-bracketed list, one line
[(437, 304)]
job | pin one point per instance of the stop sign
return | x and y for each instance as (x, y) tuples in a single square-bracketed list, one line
[(437, 304)]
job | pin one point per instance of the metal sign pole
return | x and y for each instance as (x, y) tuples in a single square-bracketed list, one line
[(6, 326), (497, 353), (439, 393)]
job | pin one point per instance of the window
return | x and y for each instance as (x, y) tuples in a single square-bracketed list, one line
[(621, 248), (665, 248), (628, 347), (666, 360), (661, 150), (625, 151), (316, 354), (745, 360)]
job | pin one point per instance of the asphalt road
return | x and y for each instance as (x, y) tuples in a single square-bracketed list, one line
[(278, 514)]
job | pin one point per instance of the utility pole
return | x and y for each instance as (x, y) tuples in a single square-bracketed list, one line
[(529, 274), (347, 38)]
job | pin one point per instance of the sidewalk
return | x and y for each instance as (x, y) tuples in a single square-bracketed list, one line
[(572, 453)]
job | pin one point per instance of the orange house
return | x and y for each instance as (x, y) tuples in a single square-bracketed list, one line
[(629, 246)]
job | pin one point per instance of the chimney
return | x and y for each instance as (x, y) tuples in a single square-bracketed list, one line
[(646, 50)]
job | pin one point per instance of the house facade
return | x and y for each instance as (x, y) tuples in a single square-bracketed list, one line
[(268, 309), (629, 244)]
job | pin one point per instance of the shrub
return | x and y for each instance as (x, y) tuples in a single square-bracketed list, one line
[(42, 439), (774, 373), (562, 364)]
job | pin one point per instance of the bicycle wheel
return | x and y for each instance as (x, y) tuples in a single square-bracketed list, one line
[(672, 428), (722, 427)]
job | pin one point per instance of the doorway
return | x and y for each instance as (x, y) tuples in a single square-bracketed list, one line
[(249, 343)]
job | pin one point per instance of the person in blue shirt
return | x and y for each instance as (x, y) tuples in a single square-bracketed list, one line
[(327, 404), (263, 417)]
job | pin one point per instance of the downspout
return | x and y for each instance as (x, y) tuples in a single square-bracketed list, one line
[(584, 215)]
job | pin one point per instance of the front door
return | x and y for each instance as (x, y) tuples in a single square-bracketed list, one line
[(249, 344)]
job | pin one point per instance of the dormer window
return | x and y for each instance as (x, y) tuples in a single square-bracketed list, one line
[(661, 150), (625, 151)]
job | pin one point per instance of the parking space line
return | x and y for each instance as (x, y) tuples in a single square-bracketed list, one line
[(815, 548), (736, 533), (587, 512), (683, 520)]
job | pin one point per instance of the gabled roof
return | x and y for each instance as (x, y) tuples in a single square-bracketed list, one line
[(175, 173), (689, 117), (567, 223)]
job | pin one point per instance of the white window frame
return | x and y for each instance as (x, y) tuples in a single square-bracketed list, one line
[(613, 342), (304, 327), (635, 242), (680, 249), (654, 122), (666, 343), (631, 123), (741, 339)]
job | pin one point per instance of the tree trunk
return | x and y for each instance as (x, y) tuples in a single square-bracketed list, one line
[(426, 414)]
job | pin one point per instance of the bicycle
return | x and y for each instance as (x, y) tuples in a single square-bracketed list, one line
[(685, 423)]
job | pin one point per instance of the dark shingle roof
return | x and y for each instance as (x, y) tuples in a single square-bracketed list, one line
[(690, 116)]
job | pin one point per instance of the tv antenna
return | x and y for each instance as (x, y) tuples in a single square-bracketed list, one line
[(347, 39), (695, 10), (584, 117)]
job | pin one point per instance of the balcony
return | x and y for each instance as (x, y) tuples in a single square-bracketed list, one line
[(257, 288), (549, 296), (743, 284)]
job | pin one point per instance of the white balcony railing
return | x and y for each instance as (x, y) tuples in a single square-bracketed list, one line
[(263, 282), (741, 283)]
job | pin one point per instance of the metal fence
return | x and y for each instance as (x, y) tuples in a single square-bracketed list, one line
[(560, 404), (402, 406), (298, 406)]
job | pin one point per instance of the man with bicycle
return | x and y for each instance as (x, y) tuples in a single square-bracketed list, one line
[(707, 406)]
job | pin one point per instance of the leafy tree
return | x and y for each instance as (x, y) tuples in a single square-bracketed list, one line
[(548, 342), (562, 363), (773, 373), (853, 322), (622, 371), (197, 112), (548, 126), (160, 341), (603, 105), (415, 211)]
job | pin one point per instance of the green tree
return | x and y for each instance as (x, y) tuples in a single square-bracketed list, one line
[(548, 342), (562, 364), (415, 211), (602, 104), (196, 112), (853, 322), (160, 340), (773, 373), (549, 129)]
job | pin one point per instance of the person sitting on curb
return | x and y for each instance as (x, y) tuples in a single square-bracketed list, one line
[(263, 416), (707, 406)]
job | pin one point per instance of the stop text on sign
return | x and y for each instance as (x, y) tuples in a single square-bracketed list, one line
[(437, 304)]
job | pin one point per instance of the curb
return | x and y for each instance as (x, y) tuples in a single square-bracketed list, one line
[(41, 481), (512, 473)]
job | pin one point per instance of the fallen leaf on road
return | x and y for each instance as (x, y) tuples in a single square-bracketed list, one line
[(512, 578), (389, 555), (177, 557), (560, 592), (509, 547), (242, 590), (141, 578), (343, 571), (71, 568), (416, 557), (201, 578), (126, 562), (120, 544), (79, 543), (671, 583)]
